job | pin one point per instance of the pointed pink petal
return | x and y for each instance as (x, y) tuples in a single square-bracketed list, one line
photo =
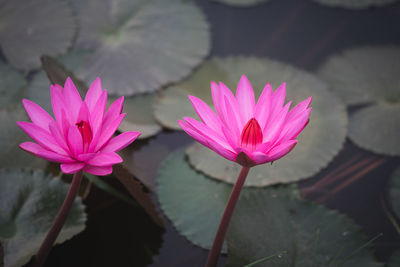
[(245, 99), (281, 150), (70, 168), (38, 115), (86, 156), (226, 153), (277, 100), (105, 159), (83, 114), (113, 112), (93, 94), (73, 100), (232, 122), (298, 109), (42, 137), (227, 97), (206, 131), (206, 114), (275, 125), (57, 101), (292, 129), (41, 152), (121, 141), (107, 133), (95, 170), (263, 147), (75, 142), (97, 115), (262, 109), (58, 136)]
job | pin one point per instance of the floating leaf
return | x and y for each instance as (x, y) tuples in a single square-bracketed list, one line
[(369, 75), (29, 202), (377, 128), (10, 137), (139, 115), (191, 201), (141, 45), (318, 143), (270, 220), (11, 86), (395, 191), (31, 28), (355, 4), (241, 3), (394, 259)]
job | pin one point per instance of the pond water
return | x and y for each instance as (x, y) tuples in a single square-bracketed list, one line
[(356, 182)]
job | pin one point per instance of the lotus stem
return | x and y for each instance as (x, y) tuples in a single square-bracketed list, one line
[(226, 218), (58, 223)]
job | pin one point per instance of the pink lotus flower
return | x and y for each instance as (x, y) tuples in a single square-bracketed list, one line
[(246, 132), (80, 136)]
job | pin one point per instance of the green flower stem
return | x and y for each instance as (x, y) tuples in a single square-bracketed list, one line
[(226, 218), (58, 223)]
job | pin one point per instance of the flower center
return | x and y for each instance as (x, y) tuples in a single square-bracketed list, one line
[(251, 135), (86, 132)]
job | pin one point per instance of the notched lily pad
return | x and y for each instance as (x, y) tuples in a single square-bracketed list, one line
[(141, 45), (11, 156), (318, 143), (355, 4), (139, 115), (241, 3), (31, 28), (29, 202), (274, 219), (191, 201), (12, 84), (369, 75)]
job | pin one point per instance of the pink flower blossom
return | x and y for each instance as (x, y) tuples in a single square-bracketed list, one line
[(246, 132), (80, 135)]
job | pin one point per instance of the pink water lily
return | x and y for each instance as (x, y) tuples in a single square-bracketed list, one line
[(80, 136), (244, 131)]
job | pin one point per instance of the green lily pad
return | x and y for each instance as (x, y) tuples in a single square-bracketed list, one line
[(364, 75), (318, 143), (11, 156), (270, 220), (29, 202), (241, 3), (190, 200), (31, 28), (139, 115), (141, 45), (266, 221), (369, 75), (395, 191), (394, 259), (12, 83), (355, 4), (376, 128)]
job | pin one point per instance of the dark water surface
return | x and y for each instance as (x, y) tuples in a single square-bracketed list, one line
[(298, 32)]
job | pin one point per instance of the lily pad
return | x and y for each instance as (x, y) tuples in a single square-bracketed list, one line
[(369, 75), (31, 28), (141, 45), (394, 260), (270, 220), (11, 136), (12, 83), (266, 221), (29, 202), (355, 4), (376, 128), (395, 191), (139, 115), (241, 3), (318, 143), (190, 200)]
